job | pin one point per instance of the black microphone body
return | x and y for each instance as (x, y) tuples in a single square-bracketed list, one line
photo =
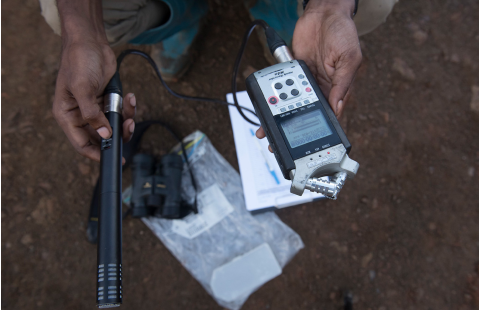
[(109, 251)]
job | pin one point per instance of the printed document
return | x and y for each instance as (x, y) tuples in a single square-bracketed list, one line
[(263, 183)]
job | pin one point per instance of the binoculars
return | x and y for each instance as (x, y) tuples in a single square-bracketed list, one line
[(156, 187)]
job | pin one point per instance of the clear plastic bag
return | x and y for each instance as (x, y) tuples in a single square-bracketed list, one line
[(224, 237)]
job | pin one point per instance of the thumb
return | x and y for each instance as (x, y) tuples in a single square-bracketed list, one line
[(92, 113), (345, 70)]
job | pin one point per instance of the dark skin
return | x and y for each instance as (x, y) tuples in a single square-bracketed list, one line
[(325, 37), (87, 65)]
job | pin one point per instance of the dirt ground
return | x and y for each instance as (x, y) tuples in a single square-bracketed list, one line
[(403, 234)]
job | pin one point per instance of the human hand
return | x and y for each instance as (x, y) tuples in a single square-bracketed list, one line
[(86, 68), (325, 38)]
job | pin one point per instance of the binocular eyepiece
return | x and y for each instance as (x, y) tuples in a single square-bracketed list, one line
[(156, 187)]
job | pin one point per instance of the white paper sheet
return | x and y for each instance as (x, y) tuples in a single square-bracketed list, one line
[(260, 187)]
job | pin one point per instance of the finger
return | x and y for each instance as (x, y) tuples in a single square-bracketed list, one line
[(128, 129), (345, 70), (129, 106), (270, 149), (342, 103), (260, 133), (91, 112), (82, 137)]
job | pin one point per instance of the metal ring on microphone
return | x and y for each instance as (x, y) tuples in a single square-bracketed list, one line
[(113, 103)]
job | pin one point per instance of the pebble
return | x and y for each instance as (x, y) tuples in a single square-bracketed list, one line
[(338, 247), (332, 295), (70, 177), (371, 274), (386, 116), (30, 191), (44, 210), (471, 171), (455, 58), (45, 255), (366, 259), (26, 239), (45, 185), (400, 66), (420, 37)]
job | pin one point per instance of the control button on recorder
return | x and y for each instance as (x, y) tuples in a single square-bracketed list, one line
[(283, 96), (283, 110), (299, 104), (301, 76), (294, 92), (278, 85), (308, 89), (273, 100), (289, 82), (291, 107), (305, 83)]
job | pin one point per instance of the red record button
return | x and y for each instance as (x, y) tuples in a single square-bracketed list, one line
[(308, 89), (273, 100)]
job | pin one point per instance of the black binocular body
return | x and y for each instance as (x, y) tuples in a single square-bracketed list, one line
[(156, 187)]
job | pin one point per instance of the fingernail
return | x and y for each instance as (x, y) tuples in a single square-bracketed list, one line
[(123, 161), (133, 100), (131, 127), (339, 106), (103, 132)]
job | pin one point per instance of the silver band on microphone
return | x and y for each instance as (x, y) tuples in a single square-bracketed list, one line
[(113, 103)]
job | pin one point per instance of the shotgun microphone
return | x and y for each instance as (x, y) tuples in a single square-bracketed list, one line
[(109, 251)]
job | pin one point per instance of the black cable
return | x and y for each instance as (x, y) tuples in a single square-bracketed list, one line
[(124, 53), (255, 23), (272, 38), (236, 66)]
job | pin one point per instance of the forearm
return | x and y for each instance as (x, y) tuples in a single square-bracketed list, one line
[(81, 20), (339, 6)]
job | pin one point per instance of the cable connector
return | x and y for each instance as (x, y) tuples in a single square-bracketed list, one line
[(114, 86), (278, 46)]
